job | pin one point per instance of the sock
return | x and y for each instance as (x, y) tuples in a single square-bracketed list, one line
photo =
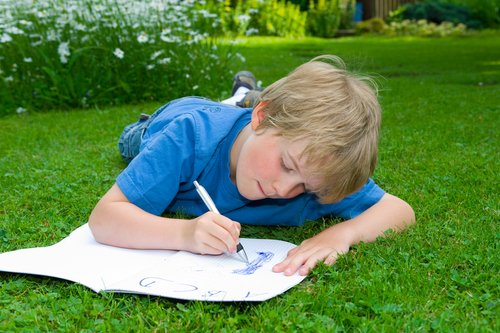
[(238, 96)]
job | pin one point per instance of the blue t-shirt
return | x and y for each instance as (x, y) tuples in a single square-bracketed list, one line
[(190, 140)]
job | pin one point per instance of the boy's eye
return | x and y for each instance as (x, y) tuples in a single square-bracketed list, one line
[(284, 166)]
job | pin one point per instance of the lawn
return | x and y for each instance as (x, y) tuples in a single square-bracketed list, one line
[(438, 151)]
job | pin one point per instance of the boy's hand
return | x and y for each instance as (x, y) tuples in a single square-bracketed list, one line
[(212, 233), (325, 246)]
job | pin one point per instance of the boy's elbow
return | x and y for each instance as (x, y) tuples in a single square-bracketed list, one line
[(96, 226), (402, 211), (407, 212)]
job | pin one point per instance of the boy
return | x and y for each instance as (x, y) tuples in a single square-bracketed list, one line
[(306, 150)]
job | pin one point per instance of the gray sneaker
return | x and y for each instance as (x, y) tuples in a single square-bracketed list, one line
[(243, 79), (249, 100)]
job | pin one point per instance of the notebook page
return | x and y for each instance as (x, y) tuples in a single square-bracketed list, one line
[(217, 278), (79, 258)]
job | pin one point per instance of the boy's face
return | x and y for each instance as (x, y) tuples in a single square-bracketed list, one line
[(269, 167)]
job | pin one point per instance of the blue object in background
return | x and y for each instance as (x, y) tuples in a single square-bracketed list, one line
[(358, 15)]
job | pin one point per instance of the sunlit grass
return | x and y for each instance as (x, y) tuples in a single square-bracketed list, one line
[(438, 151)]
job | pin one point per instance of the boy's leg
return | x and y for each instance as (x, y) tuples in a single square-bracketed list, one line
[(244, 91)]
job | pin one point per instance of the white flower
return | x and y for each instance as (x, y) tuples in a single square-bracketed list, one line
[(251, 31), (81, 27), (119, 53), (242, 58), (259, 84), (243, 18), (165, 31), (51, 35), (163, 61), (253, 10), (21, 109), (5, 38), (187, 76), (63, 51), (156, 54), (198, 38), (166, 39), (142, 38), (28, 23), (9, 79), (28, 59), (43, 13), (195, 87), (149, 67)]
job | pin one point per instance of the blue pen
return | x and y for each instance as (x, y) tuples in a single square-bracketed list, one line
[(211, 206)]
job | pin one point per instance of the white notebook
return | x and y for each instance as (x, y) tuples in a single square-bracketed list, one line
[(176, 274)]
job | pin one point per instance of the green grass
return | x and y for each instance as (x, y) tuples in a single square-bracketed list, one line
[(438, 151)]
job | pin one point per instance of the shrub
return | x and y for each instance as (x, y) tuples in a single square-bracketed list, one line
[(348, 8), (256, 17), (323, 19), (373, 25), (437, 12), (486, 11), (57, 54), (423, 28)]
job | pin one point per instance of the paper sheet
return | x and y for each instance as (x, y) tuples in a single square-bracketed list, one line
[(176, 274)]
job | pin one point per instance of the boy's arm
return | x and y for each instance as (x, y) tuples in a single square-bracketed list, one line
[(389, 213), (116, 221)]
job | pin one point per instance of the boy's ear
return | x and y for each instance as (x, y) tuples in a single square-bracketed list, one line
[(258, 114)]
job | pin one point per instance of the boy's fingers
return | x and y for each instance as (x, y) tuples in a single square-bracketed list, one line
[(212, 246), (229, 225), (225, 240)]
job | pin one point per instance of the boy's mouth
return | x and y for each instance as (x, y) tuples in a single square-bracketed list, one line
[(261, 190)]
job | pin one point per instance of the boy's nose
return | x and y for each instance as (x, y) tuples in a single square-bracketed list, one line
[(287, 189)]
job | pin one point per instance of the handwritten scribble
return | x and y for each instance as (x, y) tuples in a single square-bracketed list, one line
[(255, 264), (150, 281), (250, 295), (219, 293)]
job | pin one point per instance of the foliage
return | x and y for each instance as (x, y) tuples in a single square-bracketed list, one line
[(374, 25), (324, 17), (486, 11), (395, 16), (420, 28), (348, 9), (423, 28), (255, 17), (437, 12), (438, 151), (56, 54)]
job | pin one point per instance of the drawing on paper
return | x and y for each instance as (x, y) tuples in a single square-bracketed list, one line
[(183, 287), (263, 258)]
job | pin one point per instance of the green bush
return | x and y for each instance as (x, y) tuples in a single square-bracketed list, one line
[(323, 19), (348, 8), (56, 54), (437, 12), (373, 25), (256, 17), (423, 28), (486, 11)]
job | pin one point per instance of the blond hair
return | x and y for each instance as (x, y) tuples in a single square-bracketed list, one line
[(337, 112)]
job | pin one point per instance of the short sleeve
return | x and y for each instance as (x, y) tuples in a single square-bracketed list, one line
[(152, 179), (350, 206)]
